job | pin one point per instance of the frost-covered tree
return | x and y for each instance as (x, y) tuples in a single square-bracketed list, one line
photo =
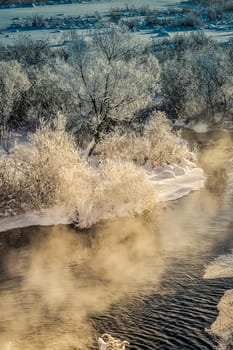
[(112, 77), (27, 51), (198, 84), (49, 93), (13, 83), (176, 79), (214, 83)]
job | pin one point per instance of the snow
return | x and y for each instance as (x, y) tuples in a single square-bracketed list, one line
[(221, 267), (79, 9), (49, 217), (222, 326), (171, 188), (199, 127), (170, 182), (221, 31)]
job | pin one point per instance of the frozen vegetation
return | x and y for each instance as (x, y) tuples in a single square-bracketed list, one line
[(115, 147), (94, 109), (120, 96), (49, 178)]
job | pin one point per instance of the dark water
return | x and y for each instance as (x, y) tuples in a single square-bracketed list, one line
[(177, 315), (139, 279)]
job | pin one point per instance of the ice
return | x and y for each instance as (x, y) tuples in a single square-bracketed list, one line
[(220, 267)]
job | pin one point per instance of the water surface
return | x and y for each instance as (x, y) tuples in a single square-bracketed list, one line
[(137, 278)]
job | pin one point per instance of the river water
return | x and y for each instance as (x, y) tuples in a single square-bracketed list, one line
[(139, 279)]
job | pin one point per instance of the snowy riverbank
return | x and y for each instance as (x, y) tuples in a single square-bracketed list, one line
[(170, 182), (222, 267), (223, 325)]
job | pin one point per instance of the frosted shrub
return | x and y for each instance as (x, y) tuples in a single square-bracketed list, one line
[(33, 176), (126, 188), (166, 146), (48, 172), (127, 147), (28, 52), (157, 144), (46, 164), (11, 183)]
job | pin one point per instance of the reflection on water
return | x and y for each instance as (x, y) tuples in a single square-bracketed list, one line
[(136, 278)]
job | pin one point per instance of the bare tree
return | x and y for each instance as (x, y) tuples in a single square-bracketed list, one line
[(112, 77)]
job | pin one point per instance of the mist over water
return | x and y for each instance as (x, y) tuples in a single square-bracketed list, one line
[(62, 277), (57, 280)]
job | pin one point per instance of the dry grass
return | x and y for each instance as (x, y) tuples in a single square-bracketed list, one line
[(48, 171), (157, 144)]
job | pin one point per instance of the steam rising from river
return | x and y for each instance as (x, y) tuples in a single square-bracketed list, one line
[(62, 278)]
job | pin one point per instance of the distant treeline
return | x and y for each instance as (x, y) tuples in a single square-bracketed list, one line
[(36, 2), (115, 77)]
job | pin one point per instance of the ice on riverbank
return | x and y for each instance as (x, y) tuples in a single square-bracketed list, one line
[(175, 181), (223, 325), (170, 182), (221, 267)]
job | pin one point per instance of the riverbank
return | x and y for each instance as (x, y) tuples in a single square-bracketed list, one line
[(220, 268), (170, 182)]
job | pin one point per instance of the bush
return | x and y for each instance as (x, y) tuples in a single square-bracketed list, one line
[(49, 171), (126, 188), (214, 13), (158, 144), (27, 52), (132, 24), (228, 6), (190, 20), (166, 49), (115, 14), (35, 21), (43, 164)]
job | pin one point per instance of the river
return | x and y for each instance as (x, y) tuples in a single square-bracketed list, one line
[(138, 278)]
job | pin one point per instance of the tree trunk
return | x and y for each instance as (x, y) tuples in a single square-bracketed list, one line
[(90, 148)]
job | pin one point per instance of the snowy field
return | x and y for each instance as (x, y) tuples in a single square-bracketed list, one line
[(220, 31), (82, 9)]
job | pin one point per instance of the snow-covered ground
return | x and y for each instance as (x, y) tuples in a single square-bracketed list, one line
[(56, 35), (220, 267), (170, 182), (81, 9), (223, 325), (222, 31)]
